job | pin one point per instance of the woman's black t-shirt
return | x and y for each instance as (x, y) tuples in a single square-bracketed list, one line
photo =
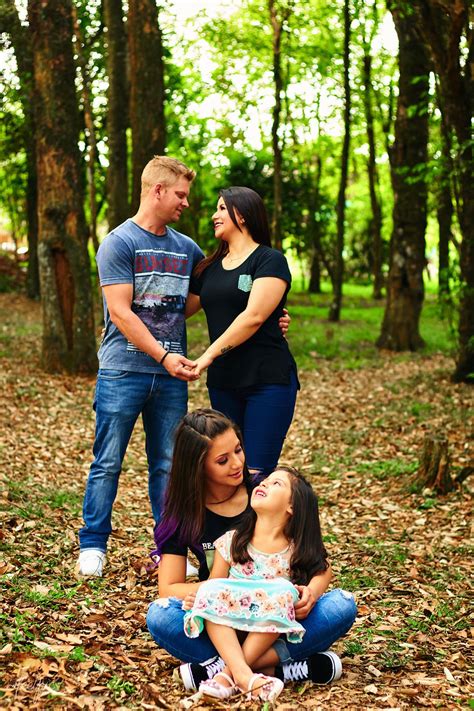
[(215, 525), (265, 357)]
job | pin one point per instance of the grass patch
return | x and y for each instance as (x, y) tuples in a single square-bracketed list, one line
[(385, 469)]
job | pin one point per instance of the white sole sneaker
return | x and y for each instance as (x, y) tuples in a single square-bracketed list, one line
[(91, 563)]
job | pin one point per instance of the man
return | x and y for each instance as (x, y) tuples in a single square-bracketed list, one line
[(144, 270)]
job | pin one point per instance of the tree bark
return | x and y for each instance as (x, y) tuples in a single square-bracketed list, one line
[(68, 324), (90, 129), (117, 114), (335, 308), (24, 57), (277, 21), (147, 90), (447, 28), (376, 221), (405, 288), (314, 231), (444, 210), (434, 469)]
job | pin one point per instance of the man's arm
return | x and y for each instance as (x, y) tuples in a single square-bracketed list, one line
[(119, 302)]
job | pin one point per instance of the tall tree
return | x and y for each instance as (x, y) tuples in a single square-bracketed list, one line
[(20, 40), (376, 219), (279, 15), (338, 272), (117, 113), (445, 209), (147, 88), (447, 26), (68, 323), (405, 288)]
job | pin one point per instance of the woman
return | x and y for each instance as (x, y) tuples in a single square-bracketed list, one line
[(242, 288), (208, 493)]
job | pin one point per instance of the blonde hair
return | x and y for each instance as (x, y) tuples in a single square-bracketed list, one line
[(161, 169)]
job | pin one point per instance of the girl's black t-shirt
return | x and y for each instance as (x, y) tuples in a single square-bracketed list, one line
[(265, 357), (215, 526)]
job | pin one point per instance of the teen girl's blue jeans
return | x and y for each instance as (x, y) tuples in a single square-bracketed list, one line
[(264, 414), (120, 397), (331, 617)]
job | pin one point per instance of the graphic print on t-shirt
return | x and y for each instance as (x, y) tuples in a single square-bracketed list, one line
[(161, 287)]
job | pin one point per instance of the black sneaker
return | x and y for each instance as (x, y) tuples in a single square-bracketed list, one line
[(192, 674), (320, 668)]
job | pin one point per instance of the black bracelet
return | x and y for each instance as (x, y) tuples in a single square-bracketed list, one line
[(167, 353)]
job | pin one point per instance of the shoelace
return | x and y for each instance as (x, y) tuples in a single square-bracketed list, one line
[(295, 671), (214, 668)]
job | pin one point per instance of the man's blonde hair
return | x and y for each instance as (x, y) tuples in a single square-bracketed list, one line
[(161, 169)]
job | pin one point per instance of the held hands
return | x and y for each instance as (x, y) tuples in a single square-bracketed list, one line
[(180, 367), (306, 602), (284, 322), (201, 363)]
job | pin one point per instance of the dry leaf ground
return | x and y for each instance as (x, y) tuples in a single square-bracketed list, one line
[(70, 643)]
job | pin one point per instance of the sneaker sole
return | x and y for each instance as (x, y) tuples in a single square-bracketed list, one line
[(336, 665), (183, 674)]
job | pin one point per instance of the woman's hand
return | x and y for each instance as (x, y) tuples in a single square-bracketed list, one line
[(306, 602), (188, 601), (201, 363), (284, 322)]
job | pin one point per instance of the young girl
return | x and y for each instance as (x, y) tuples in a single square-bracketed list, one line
[(208, 495), (254, 582)]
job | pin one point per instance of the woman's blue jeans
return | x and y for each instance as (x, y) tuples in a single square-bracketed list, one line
[(120, 397), (264, 414), (331, 617)]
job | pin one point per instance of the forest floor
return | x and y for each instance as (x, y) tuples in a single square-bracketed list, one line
[(71, 643)]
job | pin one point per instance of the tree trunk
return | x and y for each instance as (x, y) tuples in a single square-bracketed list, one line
[(314, 231), (147, 92), (277, 29), (335, 308), (68, 324), (90, 129), (23, 53), (117, 114), (447, 30), (405, 288), (376, 221), (434, 470)]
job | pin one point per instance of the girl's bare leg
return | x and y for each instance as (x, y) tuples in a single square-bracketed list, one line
[(239, 659)]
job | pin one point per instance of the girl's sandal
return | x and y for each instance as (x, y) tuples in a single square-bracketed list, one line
[(218, 691), (267, 690)]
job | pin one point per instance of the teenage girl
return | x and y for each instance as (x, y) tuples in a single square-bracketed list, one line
[(254, 582), (207, 496)]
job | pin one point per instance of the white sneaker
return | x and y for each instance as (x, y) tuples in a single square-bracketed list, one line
[(91, 562), (191, 570)]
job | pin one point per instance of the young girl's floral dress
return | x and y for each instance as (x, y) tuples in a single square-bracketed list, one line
[(256, 597)]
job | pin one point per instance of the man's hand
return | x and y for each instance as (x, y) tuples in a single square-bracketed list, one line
[(180, 367), (284, 322), (306, 602)]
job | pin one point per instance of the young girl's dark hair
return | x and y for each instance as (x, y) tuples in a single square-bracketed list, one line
[(250, 207), (302, 530), (185, 499)]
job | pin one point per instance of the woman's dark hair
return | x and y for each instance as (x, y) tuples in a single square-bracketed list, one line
[(184, 507), (302, 530), (250, 207)]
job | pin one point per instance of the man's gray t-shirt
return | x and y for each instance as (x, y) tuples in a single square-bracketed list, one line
[(159, 267)]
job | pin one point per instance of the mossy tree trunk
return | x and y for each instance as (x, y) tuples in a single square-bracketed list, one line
[(147, 89), (278, 17), (117, 113), (405, 288), (447, 29), (21, 43), (338, 271), (68, 323)]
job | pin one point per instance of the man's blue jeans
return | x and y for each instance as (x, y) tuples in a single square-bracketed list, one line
[(120, 397), (331, 617)]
